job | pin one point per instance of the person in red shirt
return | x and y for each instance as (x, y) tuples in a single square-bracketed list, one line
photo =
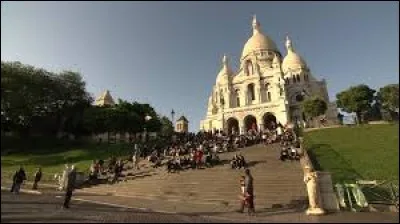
[(200, 158), (197, 155)]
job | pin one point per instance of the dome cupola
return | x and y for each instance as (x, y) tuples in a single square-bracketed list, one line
[(292, 60), (258, 41)]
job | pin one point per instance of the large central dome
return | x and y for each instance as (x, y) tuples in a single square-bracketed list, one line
[(258, 41)]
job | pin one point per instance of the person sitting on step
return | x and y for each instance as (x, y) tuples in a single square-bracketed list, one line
[(235, 161), (293, 153), (284, 153), (241, 161)]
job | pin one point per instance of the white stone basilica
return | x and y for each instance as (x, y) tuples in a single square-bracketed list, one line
[(267, 89)]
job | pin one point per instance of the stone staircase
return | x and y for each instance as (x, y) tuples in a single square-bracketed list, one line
[(276, 183)]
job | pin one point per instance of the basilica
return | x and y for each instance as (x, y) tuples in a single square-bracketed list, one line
[(266, 90)]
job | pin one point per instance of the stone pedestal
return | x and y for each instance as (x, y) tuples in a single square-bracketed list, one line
[(330, 202), (314, 194), (315, 211)]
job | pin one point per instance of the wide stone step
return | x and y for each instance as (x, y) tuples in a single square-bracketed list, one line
[(260, 202), (199, 188), (204, 179), (166, 193), (211, 196), (233, 186)]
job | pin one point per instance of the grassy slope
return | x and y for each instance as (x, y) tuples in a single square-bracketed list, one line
[(53, 160), (365, 152)]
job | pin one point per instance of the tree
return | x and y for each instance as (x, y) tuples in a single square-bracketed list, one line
[(374, 113), (356, 99), (314, 106), (127, 118), (388, 97), (167, 128), (340, 118), (35, 100)]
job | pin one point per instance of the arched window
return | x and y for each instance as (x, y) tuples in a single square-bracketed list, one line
[(237, 95), (269, 96), (250, 91), (249, 68), (298, 78), (267, 87), (305, 77), (294, 79), (287, 80)]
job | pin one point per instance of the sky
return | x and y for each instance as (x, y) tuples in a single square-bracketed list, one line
[(168, 54)]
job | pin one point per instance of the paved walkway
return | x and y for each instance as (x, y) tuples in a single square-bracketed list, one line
[(47, 208)]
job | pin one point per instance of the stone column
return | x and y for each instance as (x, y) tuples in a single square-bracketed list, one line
[(261, 127), (228, 99), (258, 93), (314, 194)]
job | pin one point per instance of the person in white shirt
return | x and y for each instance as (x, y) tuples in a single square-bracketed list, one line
[(215, 148), (264, 137), (135, 161), (293, 152), (279, 130)]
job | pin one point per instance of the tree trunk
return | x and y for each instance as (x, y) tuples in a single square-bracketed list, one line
[(359, 117)]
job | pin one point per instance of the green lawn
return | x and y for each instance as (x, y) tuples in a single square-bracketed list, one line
[(52, 160), (360, 152)]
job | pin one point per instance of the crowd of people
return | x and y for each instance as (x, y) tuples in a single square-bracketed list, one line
[(289, 147), (192, 150), (184, 151)]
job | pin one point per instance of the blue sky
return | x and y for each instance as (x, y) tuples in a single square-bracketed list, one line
[(169, 53)]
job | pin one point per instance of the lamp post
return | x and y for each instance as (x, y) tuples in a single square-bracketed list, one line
[(172, 117), (146, 118)]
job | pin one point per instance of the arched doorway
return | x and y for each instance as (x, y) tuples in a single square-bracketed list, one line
[(250, 123), (233, 125), (269, 121)]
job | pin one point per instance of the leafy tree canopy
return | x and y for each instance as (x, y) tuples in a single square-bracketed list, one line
[(356, 99)]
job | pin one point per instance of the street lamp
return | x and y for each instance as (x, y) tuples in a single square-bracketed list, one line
[(172, 117), (146, 118)]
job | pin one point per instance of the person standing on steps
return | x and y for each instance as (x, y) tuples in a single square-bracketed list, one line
[(70, 186), (248, 193), (38, 177), (135, 160), (242, 196)]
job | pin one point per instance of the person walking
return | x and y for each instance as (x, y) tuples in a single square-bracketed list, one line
[(38, 177), (242, 196), (135, 160), (18, 179), (63, 179), (248, 193), (70, 186)]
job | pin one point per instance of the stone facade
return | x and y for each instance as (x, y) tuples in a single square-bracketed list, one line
[(182, 125), (267, 88), (105, 99)]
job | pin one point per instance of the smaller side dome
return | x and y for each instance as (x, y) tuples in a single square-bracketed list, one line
[(225, 72), (292, 60)]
